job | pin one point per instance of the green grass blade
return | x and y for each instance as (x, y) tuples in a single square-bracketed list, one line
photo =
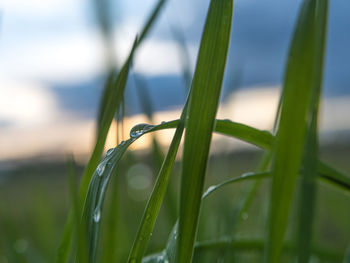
[(243, 177), (78, 227), (111, 101), (154, 203), (205, 89), (151, 19), (295, 114), (331, 175), (262, 139), (99, 184), (308, 195), (310, 159)]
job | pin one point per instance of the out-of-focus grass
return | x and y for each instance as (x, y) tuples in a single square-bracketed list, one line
[(34, 203), (103, 222)]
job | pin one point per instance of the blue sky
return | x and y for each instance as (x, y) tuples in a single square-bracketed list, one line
[(56, 43)]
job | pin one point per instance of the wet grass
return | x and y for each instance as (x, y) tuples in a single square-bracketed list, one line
[(282, 210)]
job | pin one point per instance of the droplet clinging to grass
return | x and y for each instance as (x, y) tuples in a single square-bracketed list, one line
[(97, 215), (140, 129), (101, 168)]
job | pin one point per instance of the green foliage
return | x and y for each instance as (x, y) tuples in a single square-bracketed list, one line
[(291, 172)]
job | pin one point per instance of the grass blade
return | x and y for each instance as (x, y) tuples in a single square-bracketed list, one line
[(205, 89), (296, 110), (154, 203), (310, 159), (243, 177), (111, 101), (78, 227)]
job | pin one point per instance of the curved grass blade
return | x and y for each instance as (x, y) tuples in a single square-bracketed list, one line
[(238, 131), (260, 138), (298, 95), (205, 89), (243, 177), (98, 188), (96, 193), (111, 101)]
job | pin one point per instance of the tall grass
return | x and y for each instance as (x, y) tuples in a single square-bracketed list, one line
[(291, 153)]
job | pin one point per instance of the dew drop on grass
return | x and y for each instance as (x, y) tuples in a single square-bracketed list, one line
[(163, 122), (110, 151), (101, 168), (211, 188), (122, 143), (247, 174), (139, 129), (97, 215)]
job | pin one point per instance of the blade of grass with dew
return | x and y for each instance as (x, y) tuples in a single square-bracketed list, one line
[(109, 107), (205, 93), (64, 248), (96, 192), (79, 229), (99, 183), (154, 203), (310, 158), (290, 139), (264, 140)]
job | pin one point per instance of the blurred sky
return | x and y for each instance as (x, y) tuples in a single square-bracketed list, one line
[(52, 57)]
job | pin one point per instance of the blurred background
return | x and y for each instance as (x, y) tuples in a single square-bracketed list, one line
[(54, 55)]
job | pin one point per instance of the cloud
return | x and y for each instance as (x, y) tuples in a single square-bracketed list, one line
[(25, 104)]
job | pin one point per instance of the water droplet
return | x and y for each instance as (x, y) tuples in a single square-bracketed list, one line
[(110, 151), (101, 168), (139, 129), (247, 174), (122, 143), (97, 215), (209, 190), (163, 122)]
